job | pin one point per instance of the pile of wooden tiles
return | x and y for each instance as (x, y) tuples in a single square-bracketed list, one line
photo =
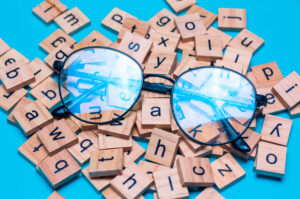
[(58, 148)]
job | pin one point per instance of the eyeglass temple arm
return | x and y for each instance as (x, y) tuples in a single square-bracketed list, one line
[(158, 87)]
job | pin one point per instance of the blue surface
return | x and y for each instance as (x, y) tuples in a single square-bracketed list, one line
[(275, 21)]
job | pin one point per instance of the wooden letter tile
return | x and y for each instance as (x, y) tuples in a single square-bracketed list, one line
[(135, 153), (226, 171), (195, 172), (40, 71), (55, 195), (121, 128), (288, 90), (162, 147), (164, 41), (9, 99), (49, 9), (111, 142), (208, 48), (60, 54), (106, 162), (210, 193), (57, 38), (189, 25), (156, 112), (32, 116), (13, 56), (246, 40), (231, 18), (114, 20), (223, 36), (47, 92), (87, 142), (3, 47), (57, 136), (99, 183), (163, 20), (161, 62), (238, 56), (168, 184), (134, 26), (16, 76), (207, 17), (273, 103), (132, 183), (136, 46), (33, 150), (178, 6), (270, 159), (72, 20), (59, 168), (95, 38), (267, 74), (276, 129)]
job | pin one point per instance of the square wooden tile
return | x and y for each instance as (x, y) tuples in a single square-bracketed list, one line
[(274, 105), (230, 18), (160, 62), (57, 136), (9, 99), (163, 20), (32, 116), (13, 56), (132, 183), (40, 71), (111, 142), (270, 159), (115, 19), (238, 56), (95, 38), (163, 40), (288, 90), (47, 92), (223, 36), (195, 172), (267, 74), (108, 162), (246, 40), (59, 168), (226, 171), (162, 147), (33, 150), (48, 10), (16, 76), (54, 40), (156, 112), (60, 54), (136, 46), (168, 184), (72, 20), (207, 17), (87, 142), (134, 154), (134, 26), (190, 25), (55, 195), (178, 6), (208, 48), (276, 129)]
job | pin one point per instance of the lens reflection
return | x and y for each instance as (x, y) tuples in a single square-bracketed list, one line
[(104, 84), (213, 105)]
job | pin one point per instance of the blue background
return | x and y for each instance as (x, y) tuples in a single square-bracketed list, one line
[(273, 20)]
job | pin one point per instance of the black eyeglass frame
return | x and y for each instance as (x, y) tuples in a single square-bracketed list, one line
[(238, 142)]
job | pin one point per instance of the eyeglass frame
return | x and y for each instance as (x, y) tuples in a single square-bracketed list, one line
[(238, 142)]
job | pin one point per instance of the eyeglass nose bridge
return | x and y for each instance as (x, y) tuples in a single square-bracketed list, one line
[(158, 87)]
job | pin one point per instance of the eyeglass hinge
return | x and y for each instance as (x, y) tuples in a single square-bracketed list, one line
[(58, 65), (261, 100)]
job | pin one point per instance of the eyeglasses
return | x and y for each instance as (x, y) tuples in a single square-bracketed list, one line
[(211, 105)]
